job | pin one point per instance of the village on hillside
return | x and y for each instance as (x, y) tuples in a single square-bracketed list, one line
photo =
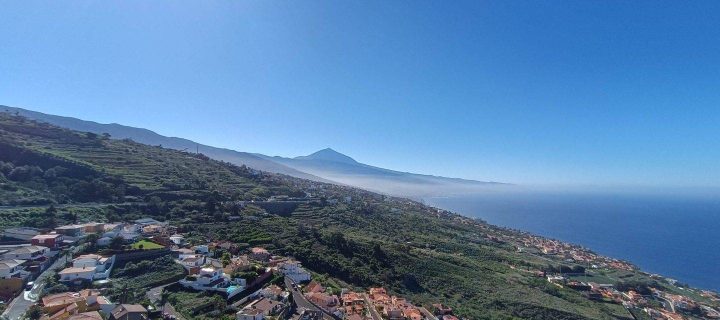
[(103, 271), (148, 269)]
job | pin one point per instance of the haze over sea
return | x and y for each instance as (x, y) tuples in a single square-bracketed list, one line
[(676, 236)]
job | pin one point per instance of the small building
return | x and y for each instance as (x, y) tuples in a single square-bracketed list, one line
[(249, 314), (62, 305), (259, 309), (294, 271), (202, 249), (11, 268), (94, 227), (177, 239), (73, 230), (272, 292), (324, 300), (52, 240), (129, 312), (213, 279), (192, 263), (102, 265), (353, 303), (28, 253)]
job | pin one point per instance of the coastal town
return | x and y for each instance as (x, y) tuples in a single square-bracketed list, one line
[(65, 273), (73, 272)]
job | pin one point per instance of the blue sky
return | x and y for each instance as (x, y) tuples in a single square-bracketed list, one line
[(531, 92)]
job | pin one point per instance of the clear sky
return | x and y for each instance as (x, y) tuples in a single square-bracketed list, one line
[(530, 92)]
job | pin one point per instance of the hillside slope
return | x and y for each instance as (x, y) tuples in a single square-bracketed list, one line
[(365, 239), (323, 166), (149, 137)]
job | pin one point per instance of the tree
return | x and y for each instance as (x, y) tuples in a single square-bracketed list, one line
[(117, 243), (34, 313), (225, 259), (219, 303)]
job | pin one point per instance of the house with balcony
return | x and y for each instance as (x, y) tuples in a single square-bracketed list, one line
[(102, 265), (53, 240), (214, 279), (294, 271), (72, 230), (259, 309), (192, 263)]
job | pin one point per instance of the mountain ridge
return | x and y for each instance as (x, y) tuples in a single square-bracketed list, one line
[(326, 165), (147, 136)]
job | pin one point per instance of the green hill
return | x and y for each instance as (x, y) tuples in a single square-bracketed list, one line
[(366, 240)]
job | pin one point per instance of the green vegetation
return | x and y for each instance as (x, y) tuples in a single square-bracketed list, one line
[(131, 280), (409, 248), (145, 244), (196, 305)]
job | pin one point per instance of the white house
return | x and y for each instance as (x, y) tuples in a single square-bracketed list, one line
[(177, 239), (192, 261), (129, 232), (102, 265), (249, 314), (73, 274), (213, 279), (294, 271), (11, 268)]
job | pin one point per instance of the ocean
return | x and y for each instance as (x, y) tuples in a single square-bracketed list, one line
[(675, 236)]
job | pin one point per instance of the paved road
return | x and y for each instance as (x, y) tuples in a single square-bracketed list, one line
[(22, 303), (302, 302), (169, 309), (373, 312), (155, 295)]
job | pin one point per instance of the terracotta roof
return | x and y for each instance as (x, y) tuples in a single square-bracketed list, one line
[(265, 305), (60, 298)]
